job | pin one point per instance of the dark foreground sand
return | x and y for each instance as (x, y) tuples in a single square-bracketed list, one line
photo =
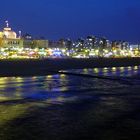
[(49, 66)]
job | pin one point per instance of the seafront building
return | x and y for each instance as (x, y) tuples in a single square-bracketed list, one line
[(13, 45), (9, 38)]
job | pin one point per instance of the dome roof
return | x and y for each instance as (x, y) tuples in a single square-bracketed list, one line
[(8, 33)]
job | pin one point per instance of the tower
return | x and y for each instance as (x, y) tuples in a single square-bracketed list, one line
[(7, 23), (19, 34)]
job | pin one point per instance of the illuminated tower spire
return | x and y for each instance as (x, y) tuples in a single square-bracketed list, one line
[(19, 34), (7, 23)]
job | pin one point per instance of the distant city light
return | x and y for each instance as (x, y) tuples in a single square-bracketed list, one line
[(14, 46)]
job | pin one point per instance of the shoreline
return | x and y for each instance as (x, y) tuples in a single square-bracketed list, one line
[(42, 67)]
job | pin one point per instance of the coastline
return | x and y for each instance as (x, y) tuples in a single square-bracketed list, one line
[(41, 67)]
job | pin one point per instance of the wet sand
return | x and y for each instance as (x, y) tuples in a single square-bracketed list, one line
[(50, 66), (68, 107)]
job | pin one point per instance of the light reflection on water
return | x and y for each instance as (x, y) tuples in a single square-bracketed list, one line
[(57, 85), (112, 71), (58, 97)]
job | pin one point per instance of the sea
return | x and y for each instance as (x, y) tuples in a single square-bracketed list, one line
[(86, 104)]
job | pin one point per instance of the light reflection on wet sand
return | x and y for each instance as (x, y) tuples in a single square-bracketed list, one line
[(54, 104)]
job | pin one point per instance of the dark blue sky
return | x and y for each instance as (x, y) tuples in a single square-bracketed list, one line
[(114, 19)]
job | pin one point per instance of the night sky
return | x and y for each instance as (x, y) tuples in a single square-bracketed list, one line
[(54, 19)]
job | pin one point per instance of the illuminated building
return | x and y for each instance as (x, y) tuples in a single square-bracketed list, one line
[(40, 43), (17, 46), (35, 43), (9, 39)]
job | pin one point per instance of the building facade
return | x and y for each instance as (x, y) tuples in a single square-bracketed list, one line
[(9, 38)]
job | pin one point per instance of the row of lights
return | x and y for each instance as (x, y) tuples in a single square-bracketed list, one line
[(16, 52)]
